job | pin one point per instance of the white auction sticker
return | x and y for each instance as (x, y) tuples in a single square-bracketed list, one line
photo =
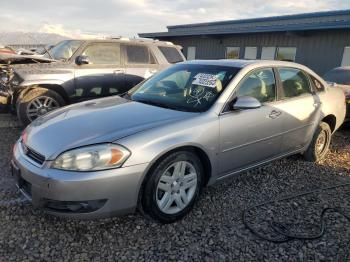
[(202, 79)]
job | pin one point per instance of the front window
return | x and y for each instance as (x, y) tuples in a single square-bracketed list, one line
[(103, 54), (192, 88), (260, 84), (64, 50)]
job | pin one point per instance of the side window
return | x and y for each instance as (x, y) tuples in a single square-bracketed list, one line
[(260, 84), (171, 54), (103, 53), (318, 86), (294, 82), (139, 54)]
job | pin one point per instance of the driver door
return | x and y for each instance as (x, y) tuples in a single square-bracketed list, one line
[(250, 136)]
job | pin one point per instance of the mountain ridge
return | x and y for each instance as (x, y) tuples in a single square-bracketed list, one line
[(30, 38)]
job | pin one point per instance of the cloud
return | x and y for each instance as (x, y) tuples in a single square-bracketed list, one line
[(60, 30), (81, 18)]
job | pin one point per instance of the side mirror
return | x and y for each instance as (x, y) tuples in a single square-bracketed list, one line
[(82, 60), (246, 102)]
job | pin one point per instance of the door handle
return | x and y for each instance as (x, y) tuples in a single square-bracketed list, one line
[(118, 71), (153, 71), (274, 114)]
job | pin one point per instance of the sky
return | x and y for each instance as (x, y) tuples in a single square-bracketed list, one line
[(81, 18)]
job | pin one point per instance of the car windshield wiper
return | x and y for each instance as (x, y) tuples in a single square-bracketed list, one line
[(125, 95), (155, 103)]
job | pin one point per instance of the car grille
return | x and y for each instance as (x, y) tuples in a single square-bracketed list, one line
[(33, 155)]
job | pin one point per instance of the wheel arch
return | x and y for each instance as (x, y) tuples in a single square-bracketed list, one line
[(58, 89), (207, 165), (331, 120)]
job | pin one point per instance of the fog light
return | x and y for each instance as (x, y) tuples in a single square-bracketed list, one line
[(75, 206)]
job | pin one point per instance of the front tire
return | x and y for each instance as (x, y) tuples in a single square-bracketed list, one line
[(173, 187), (319, 145), (37, 102)]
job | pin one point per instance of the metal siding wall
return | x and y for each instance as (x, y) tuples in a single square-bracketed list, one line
[(321, 51)]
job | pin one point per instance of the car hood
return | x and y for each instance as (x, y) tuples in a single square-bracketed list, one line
[(25, 59), (39, 69), (96, 121)]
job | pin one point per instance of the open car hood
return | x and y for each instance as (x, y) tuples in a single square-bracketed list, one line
[(23, 59)]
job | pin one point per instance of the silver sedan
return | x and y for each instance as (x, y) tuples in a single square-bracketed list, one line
[(187, 127)]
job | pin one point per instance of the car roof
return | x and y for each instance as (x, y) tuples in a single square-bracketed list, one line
[(130, 40), (240, 63)]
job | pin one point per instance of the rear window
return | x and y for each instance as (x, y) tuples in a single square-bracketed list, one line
[(339, 76), (138, 54), (171, 54)]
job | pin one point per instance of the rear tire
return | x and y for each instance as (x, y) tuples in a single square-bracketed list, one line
[(168, 197), (319, 145), (37, 102)]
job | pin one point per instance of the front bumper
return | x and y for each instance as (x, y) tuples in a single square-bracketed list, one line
[(110, 192)]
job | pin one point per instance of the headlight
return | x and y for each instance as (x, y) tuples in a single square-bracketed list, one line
[(90, 158)]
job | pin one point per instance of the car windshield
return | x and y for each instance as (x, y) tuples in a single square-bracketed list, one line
[(184, 87), (64, 50), (339, 76)]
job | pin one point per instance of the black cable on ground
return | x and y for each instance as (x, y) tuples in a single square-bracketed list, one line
[(283, 231)]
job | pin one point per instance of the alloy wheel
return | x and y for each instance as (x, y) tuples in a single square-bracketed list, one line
[(40, 106), (176, 187), (321, 142)]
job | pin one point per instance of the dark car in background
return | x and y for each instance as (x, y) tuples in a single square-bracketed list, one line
[(86, 69), (340, 77)]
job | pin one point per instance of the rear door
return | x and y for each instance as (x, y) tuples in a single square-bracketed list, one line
[(300, 108), (103, 76), (140, 63)]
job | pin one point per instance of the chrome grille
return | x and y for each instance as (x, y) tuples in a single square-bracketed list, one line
[(33, 155)]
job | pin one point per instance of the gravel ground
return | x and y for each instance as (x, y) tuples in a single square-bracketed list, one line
[(212, 232)]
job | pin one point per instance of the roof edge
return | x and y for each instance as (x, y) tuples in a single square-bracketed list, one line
[(270, 18), (303, 27)]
